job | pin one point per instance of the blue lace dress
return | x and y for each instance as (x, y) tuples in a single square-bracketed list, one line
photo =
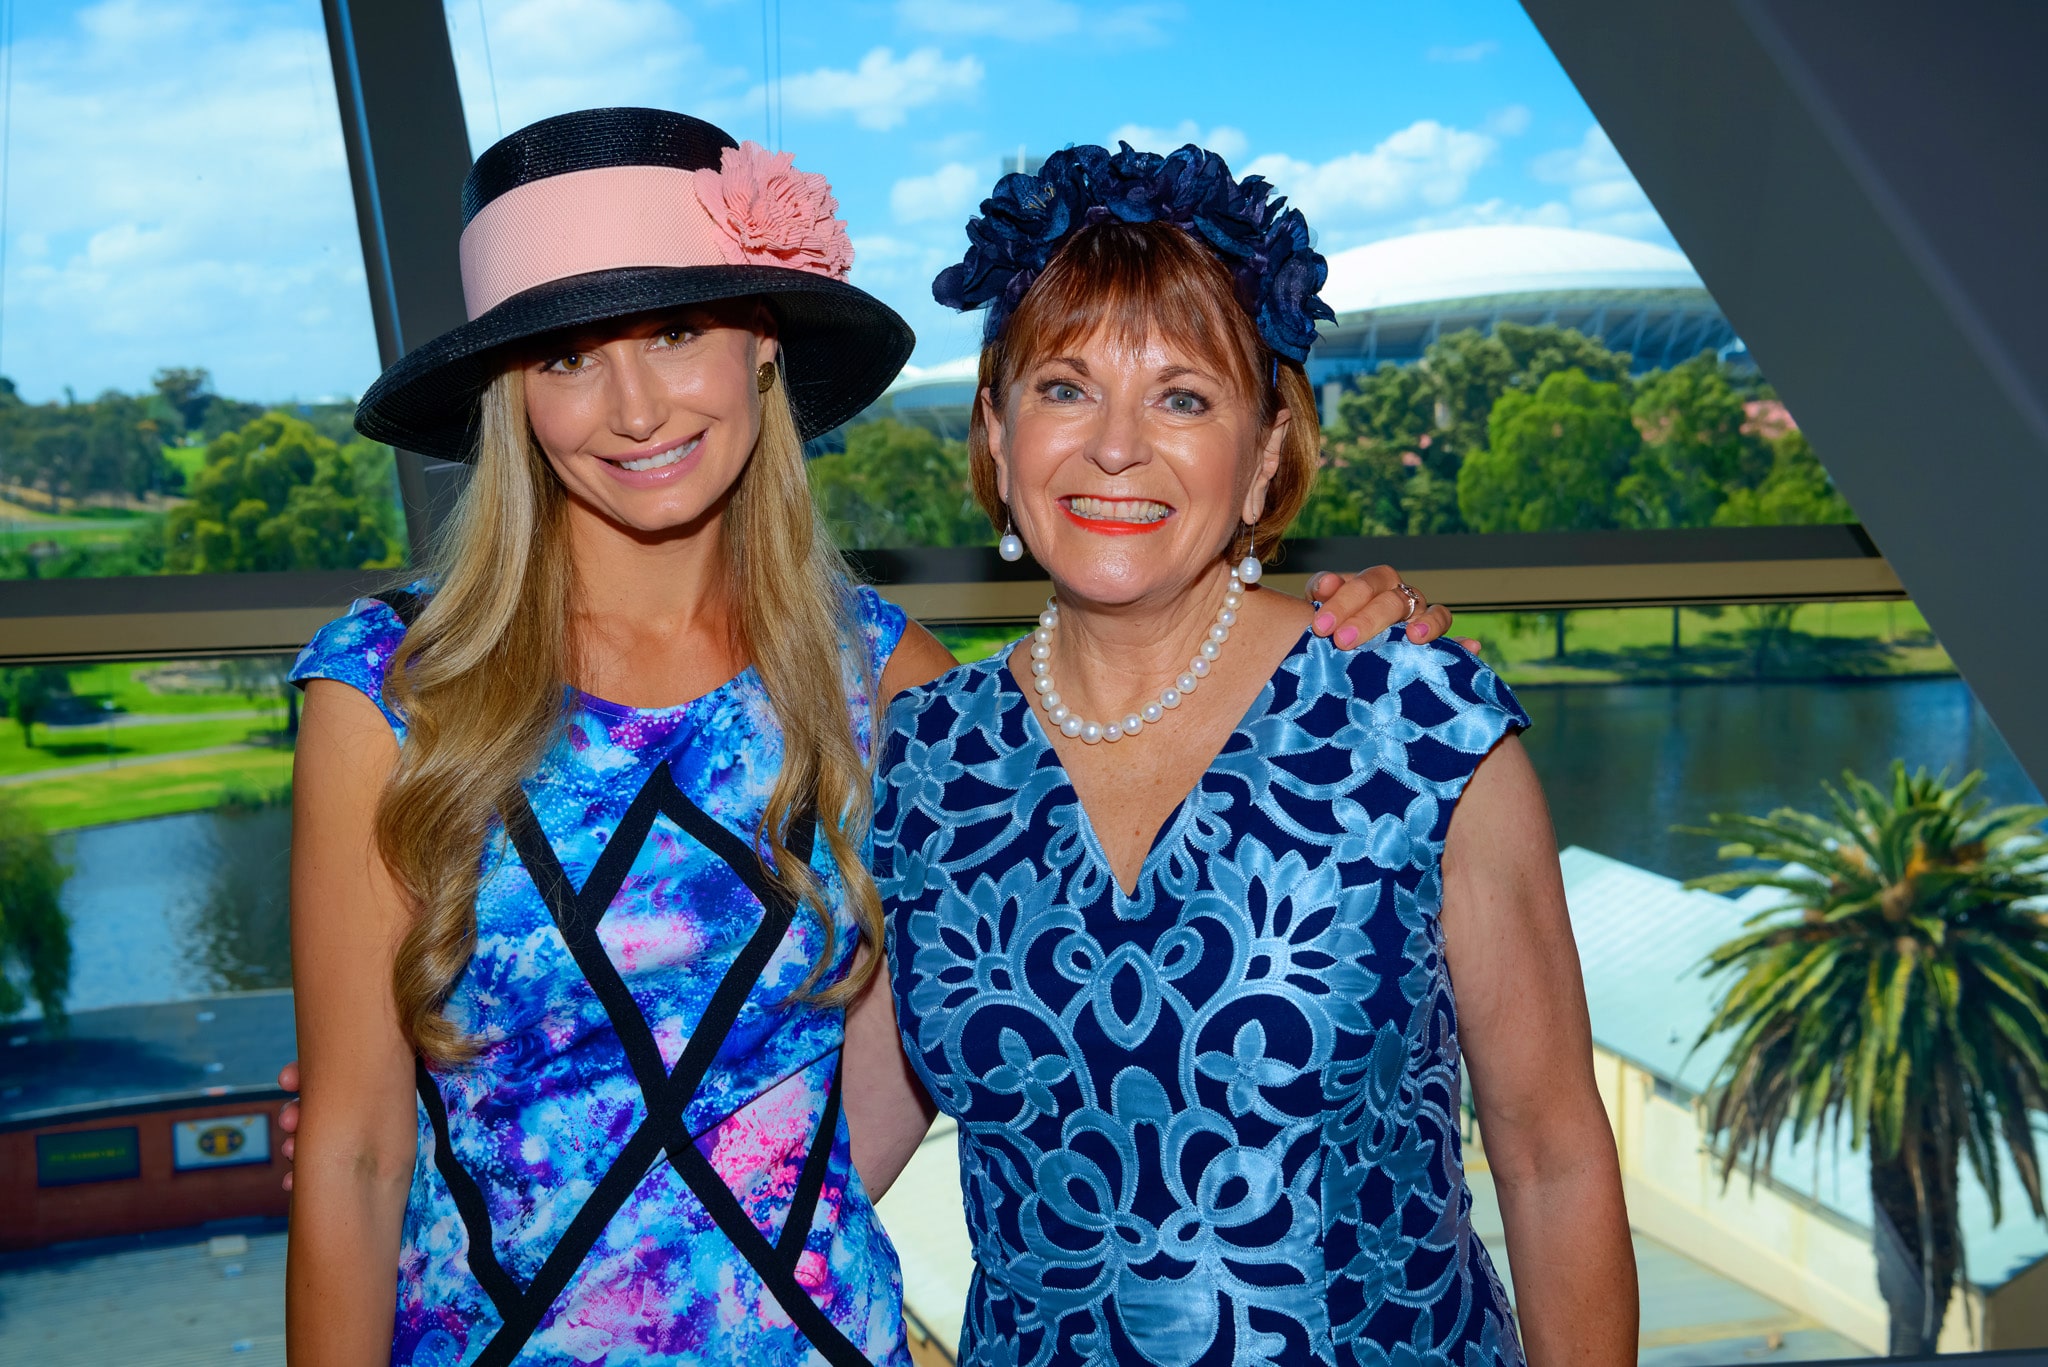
[(646, 1162), (1215, 1120)]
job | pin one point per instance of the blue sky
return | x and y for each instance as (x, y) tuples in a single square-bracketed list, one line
[(178, 193)]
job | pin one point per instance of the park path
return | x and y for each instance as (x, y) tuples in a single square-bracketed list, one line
[(102, 766), (120, 719)]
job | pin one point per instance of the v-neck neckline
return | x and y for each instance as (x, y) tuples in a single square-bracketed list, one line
[(1169, 829)]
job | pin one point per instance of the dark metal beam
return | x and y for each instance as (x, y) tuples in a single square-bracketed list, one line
[(1814, 158), (408, 150), (159, 616)]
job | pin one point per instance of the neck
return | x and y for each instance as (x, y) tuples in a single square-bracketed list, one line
[(1111, 660), (629, 582)]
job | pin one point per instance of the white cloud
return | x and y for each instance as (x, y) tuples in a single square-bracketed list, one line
[(948, 192), (1226, 142), (979, 19), (1425, 165), (209, 232), (1037, 21), (544, 58), (1469, 52), (1603, 193), (1510, 121), (1551, 214), (883, 88)]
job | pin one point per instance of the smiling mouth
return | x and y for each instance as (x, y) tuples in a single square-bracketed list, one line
[(662, 459), (1116, 514)]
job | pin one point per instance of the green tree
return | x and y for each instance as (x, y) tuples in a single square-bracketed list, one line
[(897, 484), (28, 690), (35, 934), (1795, 491), (276, 495), (1900, 987), (1553, 458), (1694, 446), (1403, 433)]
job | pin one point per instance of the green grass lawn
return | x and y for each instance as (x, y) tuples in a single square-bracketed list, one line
[(969, 644), (159, 789), (1621, 645), (189, 460), (59, 749), (119, 684), (1824, 641)]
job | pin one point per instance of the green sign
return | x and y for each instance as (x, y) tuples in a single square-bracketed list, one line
[(88, 1156)]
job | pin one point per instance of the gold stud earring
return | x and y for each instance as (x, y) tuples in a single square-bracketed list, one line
[(764, 378)]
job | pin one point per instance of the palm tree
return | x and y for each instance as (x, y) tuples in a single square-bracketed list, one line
[(1902, 986)]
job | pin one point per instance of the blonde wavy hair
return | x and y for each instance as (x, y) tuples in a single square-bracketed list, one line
[(481, 681)]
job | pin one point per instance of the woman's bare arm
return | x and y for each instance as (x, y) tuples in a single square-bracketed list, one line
[(887, 1111), (1529, 1046), (354, 1150)]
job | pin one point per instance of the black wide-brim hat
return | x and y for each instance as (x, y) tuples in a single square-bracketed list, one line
[(599, 215)]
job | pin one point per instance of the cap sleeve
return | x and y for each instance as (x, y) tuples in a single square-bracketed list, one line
[(882, 623), (356, 649), (1456, 708)]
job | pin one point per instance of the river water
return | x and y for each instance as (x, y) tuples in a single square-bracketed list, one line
[(192, 905)]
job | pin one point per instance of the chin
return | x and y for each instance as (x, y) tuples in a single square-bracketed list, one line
[(1108, 577)]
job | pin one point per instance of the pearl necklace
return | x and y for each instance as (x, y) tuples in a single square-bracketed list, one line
[(1071, 723)]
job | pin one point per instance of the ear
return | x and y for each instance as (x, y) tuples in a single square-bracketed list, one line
[(766, 345), (998, 447), (1269, 463)]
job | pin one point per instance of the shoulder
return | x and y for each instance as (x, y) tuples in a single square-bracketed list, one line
[(1437, 686), (969, 695), (356, 649)]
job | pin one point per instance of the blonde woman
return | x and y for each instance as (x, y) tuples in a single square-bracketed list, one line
[(579, 861)]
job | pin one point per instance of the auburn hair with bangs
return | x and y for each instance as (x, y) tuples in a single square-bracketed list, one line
[(1129, 280)]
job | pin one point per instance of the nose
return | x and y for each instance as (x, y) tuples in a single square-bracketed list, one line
[(635, 394), (1120, 439)]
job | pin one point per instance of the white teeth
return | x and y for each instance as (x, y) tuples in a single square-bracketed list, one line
[(1118, 510), (662, 461)]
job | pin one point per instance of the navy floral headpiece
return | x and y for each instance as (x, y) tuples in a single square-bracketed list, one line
[(1262, 242)]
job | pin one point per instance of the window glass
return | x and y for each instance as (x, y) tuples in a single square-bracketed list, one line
[(145, 998), (1520, 343), (185, 318)]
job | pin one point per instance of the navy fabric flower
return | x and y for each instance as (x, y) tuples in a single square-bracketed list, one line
[(1262, 242)]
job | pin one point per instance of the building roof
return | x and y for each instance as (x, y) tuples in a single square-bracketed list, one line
[(1634, 296), (1642, 938), (1503, 259)]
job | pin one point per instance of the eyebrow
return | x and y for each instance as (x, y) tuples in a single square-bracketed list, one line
[(1073, 363)]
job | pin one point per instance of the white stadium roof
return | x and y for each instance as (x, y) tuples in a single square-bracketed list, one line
[(1470, 263), (1394, 298)]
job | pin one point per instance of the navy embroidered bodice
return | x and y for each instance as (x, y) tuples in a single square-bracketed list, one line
[(1215, 1120)]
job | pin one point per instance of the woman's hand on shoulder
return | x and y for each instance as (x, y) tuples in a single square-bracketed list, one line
[(918, 659), (1360, 607)]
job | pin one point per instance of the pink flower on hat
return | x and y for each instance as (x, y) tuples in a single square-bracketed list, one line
[(772, 214)]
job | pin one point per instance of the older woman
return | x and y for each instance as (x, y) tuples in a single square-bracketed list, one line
[(1177, 893)]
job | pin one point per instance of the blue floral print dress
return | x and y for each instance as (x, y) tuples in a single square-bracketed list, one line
[(647, 1160), (1215, 1120)]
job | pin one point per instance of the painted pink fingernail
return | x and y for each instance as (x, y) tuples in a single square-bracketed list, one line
[(1347, 638), (1325, 623)]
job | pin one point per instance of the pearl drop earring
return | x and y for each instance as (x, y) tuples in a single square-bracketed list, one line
[(1249, 569), (1011, 547)]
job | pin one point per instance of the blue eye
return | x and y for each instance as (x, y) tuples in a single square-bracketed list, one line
[(1061, 392), (1182, 401)]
